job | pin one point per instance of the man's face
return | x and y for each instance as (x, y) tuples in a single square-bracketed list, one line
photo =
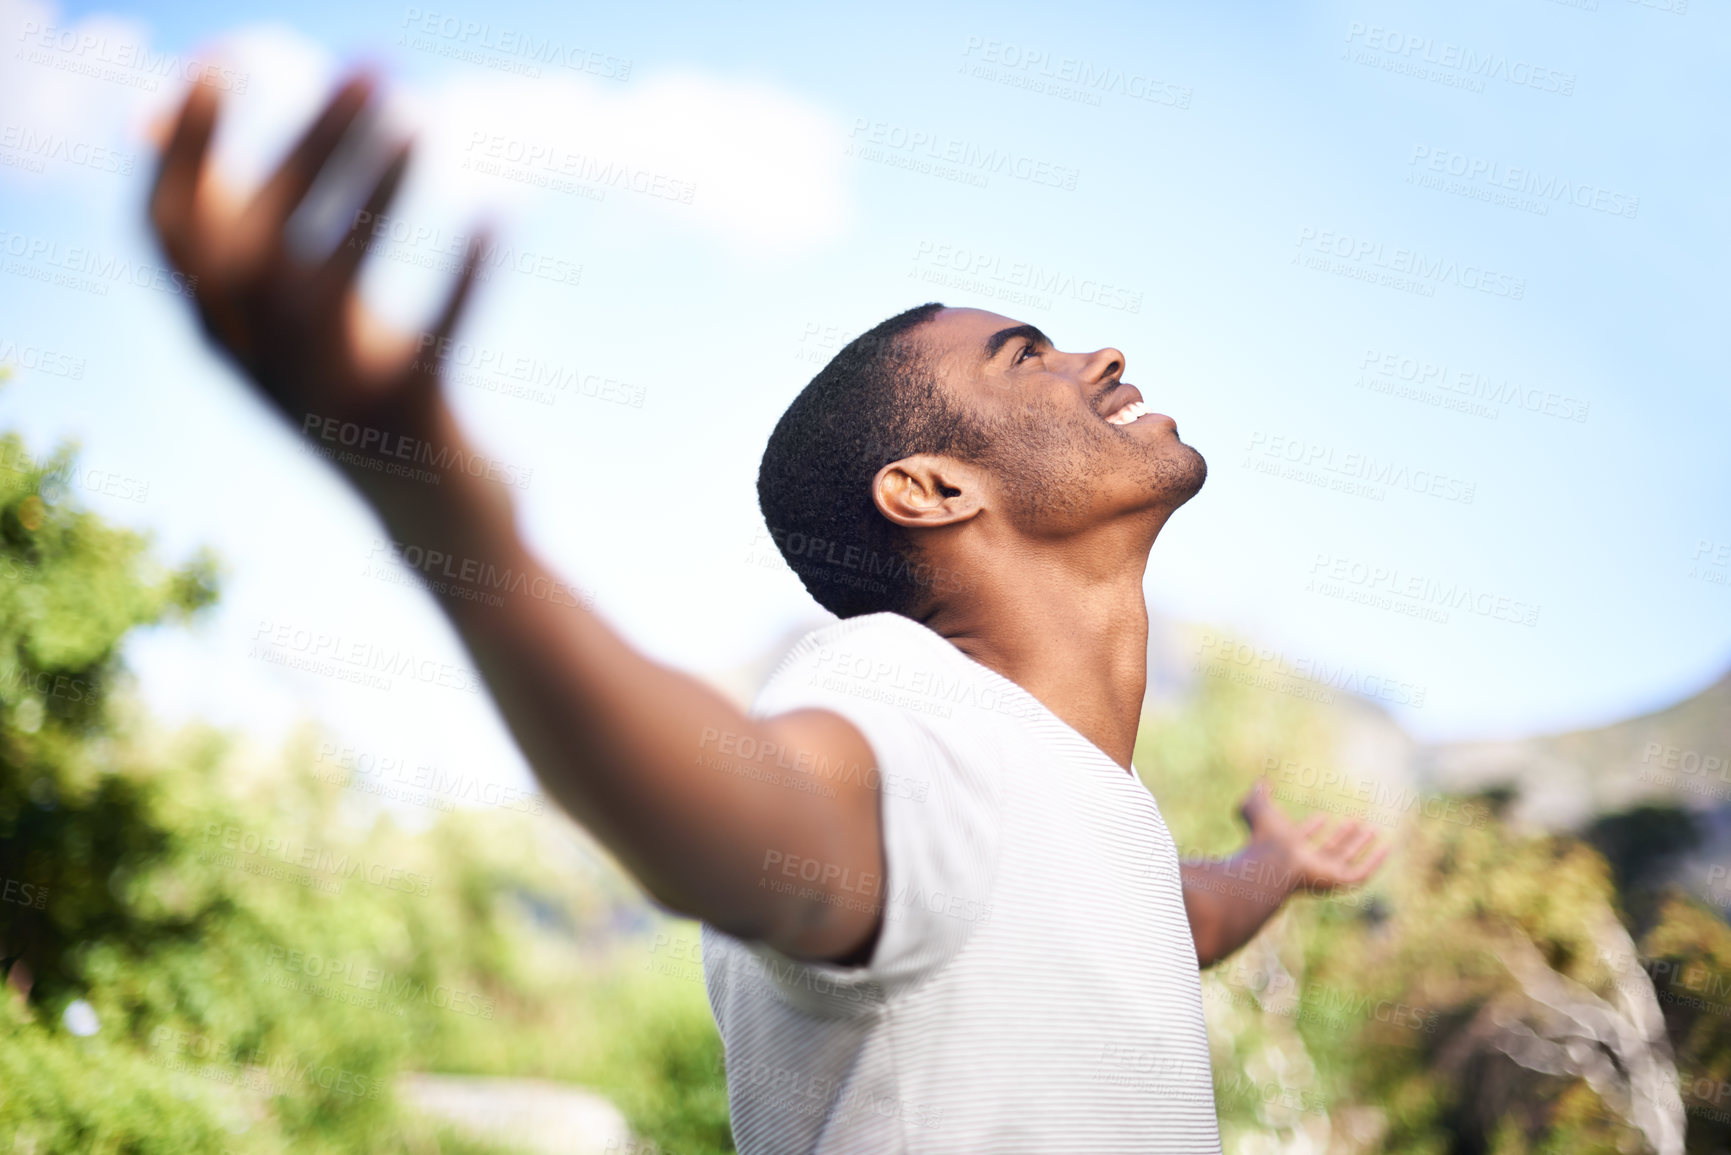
[(1060, 442)]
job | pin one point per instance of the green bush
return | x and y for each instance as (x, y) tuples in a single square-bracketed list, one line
[(266, 949)]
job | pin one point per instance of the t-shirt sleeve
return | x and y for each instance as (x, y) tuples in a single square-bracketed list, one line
[(939, 814)]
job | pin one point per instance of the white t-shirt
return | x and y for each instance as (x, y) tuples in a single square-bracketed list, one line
[(1034, 987)]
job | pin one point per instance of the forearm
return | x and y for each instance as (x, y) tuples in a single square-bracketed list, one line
[(1228, 900), (645, 757), (615, 738)]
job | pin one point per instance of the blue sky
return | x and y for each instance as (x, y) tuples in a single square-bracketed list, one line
[(1376, 259)]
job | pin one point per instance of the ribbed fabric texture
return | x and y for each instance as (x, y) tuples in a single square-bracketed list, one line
[(1035, 986)]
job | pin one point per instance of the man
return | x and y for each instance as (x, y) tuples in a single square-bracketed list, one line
[(941, 913)]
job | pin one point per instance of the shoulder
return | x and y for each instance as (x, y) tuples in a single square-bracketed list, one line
[(870, 633), (870, 656), (888, 663)]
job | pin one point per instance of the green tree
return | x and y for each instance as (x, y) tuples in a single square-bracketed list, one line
[(1491, 992), (71, 830), (255, 999)]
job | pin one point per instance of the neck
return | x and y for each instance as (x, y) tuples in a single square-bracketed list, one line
[(1069, 624)]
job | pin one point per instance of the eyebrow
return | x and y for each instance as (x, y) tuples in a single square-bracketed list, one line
[(996, 342)]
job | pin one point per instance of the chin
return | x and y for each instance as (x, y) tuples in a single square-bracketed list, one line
[(1198, 470), (1180, 474)]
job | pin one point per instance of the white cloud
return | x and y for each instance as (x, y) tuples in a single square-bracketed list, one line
[(752, 166), (761, 168), (51, 106)]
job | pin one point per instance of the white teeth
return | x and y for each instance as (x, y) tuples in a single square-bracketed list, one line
[(1128, 414)]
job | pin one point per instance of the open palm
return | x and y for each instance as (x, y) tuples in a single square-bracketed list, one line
[(1320, 860), (297, 327)]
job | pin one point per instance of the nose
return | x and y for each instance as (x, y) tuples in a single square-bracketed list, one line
[(1104, 365)]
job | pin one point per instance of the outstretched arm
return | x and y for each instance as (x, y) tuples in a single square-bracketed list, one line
[(1229, 899), (641, 755)]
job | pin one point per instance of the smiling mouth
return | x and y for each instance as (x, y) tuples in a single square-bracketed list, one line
[(1130, 407), (1128, 413)]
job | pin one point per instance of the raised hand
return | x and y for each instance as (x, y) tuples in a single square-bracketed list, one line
[(1319, 861), (297, 327), (609, 732)]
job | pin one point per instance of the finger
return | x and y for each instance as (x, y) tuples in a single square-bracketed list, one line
[(340, 268), (1250, 806), (1311, 825), (392, 354), (1357, 845), (1342, 834), (174, 198), (446, 322), (1368, 867), (1262, 815), (283, 192), (1255, 798)]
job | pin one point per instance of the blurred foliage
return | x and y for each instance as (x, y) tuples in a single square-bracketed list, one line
[(1382, 1019), (265, 949)]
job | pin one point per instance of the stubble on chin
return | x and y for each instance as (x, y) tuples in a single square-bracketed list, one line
[(1167, 470), (1181, 474), (1050, 466)]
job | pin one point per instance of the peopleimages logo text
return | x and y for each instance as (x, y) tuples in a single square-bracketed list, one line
[(1410, 262), (1468, 63), (929, 144)]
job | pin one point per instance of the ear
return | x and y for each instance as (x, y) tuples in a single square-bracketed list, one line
[(927, 490)]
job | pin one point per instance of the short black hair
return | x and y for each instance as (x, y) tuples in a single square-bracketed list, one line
[(877, 401)]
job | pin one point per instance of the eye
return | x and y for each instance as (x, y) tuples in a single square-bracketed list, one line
[(1027, 351)]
